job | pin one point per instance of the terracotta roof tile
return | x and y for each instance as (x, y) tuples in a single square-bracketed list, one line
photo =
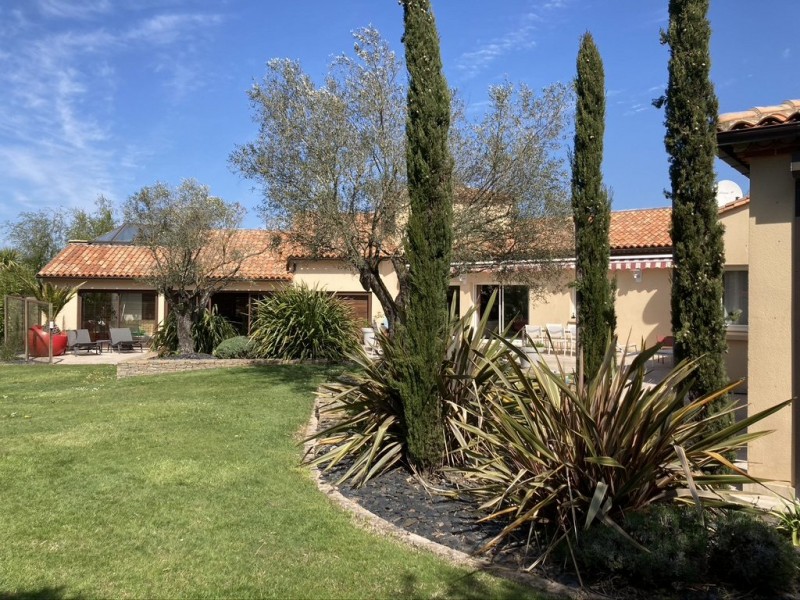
[(126, 261), (644, 228), (760, 116)]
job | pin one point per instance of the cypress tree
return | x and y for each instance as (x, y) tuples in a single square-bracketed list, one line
[(698, 254), (428, 235), (591, 211)]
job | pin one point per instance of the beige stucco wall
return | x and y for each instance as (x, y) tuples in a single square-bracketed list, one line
[(770, 324), (643, 307), (336, 276), (736, 237)]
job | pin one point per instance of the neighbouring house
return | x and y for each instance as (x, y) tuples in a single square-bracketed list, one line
[(764, 144)]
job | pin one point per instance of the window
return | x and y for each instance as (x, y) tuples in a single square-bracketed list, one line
[(510, 309), (101, 311), (735, 297)]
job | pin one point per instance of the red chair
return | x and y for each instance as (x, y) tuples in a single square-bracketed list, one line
[(39, 342)]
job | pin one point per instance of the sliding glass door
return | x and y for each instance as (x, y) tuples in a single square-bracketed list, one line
[(510, 309), (100, 311)]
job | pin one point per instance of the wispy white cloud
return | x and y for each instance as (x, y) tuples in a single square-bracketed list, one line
[(520, 37), (73, 9), (633, 103), (58, 144), (786, 54), (170, 28)]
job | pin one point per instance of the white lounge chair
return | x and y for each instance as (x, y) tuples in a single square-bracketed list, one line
[(556, 337), (571, 335), (532, 335)]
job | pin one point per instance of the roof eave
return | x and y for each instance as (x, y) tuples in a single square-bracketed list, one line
[(728, 140)]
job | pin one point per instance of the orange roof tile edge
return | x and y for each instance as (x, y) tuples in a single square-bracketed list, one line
[(760, 116), (643, 228)]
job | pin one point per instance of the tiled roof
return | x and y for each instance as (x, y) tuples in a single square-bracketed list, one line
[(644, 228), (760, 116), (107, 261)]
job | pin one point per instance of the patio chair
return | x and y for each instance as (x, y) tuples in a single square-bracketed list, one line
[(556, 336), (667, 348), (571, 335), (122, 339), (532, 336), (79, 339)]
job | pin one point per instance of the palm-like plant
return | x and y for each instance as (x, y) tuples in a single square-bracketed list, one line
[(23, 281), (366, 414), (300, 323), (555, 454)]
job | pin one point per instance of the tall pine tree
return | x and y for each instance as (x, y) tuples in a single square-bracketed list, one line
[(591, 211), (429, 234), (698, 254)]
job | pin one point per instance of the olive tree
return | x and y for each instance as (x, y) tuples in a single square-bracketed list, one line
[(192, 238), (331, 159)]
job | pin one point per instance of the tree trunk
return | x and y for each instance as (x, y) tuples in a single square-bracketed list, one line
[(183, 322), (371, 281)]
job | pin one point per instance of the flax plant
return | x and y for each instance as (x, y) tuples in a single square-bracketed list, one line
[(553, 456), (363, 419)]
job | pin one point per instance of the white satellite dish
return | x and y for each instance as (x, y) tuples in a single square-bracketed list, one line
[(728, 191)]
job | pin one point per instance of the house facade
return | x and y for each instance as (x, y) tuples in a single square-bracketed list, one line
[(111, 273), (764, 144)]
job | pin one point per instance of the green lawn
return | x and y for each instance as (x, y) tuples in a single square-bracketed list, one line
[(185, 485)]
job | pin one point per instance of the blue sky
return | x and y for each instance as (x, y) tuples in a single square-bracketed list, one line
[(106, 96)]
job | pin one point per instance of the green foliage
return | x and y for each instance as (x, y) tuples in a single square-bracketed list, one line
[(698, 319), (38, 236), (191, 237), (676, 539), (750, 555), (10, 350), (208, 332), (88, 226), (429, 236), (591, 211), (548, 452), (235, 347), (301, 322), (789, 520), (365, 414), (20, 279)]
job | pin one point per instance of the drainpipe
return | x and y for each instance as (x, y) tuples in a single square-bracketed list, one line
[(794, 167)]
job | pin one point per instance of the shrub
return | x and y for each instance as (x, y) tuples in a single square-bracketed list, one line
[(235, 347), (750, 555), (368, 412), (562, 455), (300, 322), (676, 540), (210, 330)]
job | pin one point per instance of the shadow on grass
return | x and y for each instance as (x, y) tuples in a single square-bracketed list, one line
[(469, 587), (301, 378), (45, 593)]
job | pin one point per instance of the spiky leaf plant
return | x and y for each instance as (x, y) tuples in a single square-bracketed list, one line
[(557, 456), (301, 322), (365, 417)]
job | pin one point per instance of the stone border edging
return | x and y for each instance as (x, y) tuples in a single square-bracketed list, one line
[(373, 523), (158, 366)]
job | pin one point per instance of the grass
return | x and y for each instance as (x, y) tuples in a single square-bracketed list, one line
[(184, 485)]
